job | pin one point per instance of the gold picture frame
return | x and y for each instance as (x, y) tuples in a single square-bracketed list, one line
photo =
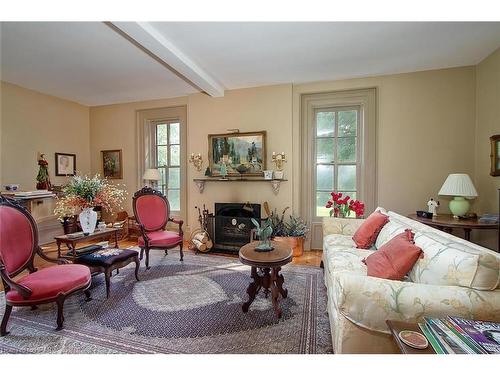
[(246, 153), (112, 164), (495, 155)]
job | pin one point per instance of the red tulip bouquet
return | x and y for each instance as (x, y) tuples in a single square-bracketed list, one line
[(342, 206)]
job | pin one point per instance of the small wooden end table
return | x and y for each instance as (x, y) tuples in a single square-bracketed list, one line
[(447, 223), (265, 272), (71, 242), (395, 327)]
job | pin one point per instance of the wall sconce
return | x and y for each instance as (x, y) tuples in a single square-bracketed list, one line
[(196, 160), (278, 160)]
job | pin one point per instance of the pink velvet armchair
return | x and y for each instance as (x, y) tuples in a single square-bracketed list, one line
[(18, 246), (152, 213)]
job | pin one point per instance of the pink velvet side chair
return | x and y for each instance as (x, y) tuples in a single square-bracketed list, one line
[(152, 213), (18, 246)]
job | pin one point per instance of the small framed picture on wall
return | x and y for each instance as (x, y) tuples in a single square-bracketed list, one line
[(65, 164), (112, 166)]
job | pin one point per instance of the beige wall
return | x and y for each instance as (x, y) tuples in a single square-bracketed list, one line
[(424, 132), (264, 108), (425, 122), (114, 127), (487, 124), (32, 122)]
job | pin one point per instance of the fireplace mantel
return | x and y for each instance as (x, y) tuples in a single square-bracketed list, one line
[(275, 184)]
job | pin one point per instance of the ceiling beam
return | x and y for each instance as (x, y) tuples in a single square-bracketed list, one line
[(144, 36)]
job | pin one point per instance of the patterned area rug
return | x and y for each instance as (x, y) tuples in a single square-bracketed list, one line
[(179, 307)]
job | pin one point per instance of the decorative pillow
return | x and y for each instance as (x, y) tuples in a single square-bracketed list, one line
[(394, 259), (367, 233), (389, 231)]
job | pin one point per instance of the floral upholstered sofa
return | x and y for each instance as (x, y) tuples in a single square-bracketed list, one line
[(454, 277)]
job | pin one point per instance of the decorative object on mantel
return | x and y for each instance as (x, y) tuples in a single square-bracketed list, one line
[(432, 206), (278, 159), (196, 160), (232, 150), (65, 164), (112, 164), (461, 188), (495, 155), (43, 179), (342, 207), (208, 172), (152, 175), (292, 232), (200, 182), (264, 233), (268, 175), (83, 193)]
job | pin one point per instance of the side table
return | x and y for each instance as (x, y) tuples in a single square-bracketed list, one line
[(72, 242), (395, 327), (266, 267)]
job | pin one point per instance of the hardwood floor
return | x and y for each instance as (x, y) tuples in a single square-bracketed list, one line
[(310, 258)]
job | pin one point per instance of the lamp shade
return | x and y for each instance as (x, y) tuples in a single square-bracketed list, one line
[(458, 185), (151, 175)]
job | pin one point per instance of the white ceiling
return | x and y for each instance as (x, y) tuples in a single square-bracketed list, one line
[(92, 64)]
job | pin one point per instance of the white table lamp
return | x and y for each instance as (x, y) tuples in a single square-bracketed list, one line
[(461, 188), (151, 175)]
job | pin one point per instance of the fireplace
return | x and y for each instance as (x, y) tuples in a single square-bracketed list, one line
[(232, 225)]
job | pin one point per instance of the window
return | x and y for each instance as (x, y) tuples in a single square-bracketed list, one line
[(338, 152), (168, 160), (337, 156)]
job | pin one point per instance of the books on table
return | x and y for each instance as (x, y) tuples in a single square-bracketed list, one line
[(455, 335)]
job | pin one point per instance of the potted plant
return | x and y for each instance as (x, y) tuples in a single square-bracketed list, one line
[(83, 194), (291, 232)]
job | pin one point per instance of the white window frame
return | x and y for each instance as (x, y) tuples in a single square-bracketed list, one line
[(146, 146), (335, 163), (154, 135), (309, 103)]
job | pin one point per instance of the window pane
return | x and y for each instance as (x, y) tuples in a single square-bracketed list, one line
[(161, 134), (346, 178), (175, 155), (321, 199), (174, 178), (162, 156), (350, 194), (175, 133), (347, 123), (174, 198), (163, 178), (324, 177), (325, 124), (324, 150), (346, 149)]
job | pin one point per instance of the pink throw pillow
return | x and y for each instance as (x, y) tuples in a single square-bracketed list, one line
[(367, 233)]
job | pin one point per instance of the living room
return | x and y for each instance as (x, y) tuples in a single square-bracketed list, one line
[(237, 138)]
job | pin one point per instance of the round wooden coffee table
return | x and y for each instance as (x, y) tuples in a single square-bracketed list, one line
[(265, 272)]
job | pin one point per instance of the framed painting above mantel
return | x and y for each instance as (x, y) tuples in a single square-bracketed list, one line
[(495, 155), (244, 154)]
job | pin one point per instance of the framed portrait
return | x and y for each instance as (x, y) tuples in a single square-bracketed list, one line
[(65, 164), (112, 166), (244, 154), (495, 155)]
